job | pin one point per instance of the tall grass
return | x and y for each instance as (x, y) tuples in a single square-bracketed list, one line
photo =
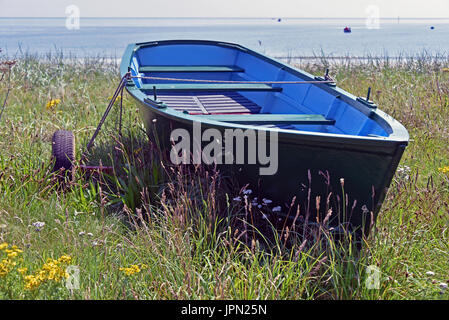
[(191, 231)]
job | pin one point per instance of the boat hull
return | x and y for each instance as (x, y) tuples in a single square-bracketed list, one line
[(307, 168), (345, 170)]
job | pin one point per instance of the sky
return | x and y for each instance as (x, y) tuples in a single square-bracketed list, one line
[(228, 8)]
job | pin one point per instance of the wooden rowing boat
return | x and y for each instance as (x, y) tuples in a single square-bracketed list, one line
[(341, 148)]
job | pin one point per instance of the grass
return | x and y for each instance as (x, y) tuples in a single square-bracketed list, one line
[(181, 228)]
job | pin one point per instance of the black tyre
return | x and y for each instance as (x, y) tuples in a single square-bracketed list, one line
[(63, 151)]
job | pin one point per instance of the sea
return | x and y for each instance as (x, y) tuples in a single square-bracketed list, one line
[(282, 38)]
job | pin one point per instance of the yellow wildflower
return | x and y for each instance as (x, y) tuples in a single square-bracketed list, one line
[(12, 254), (133, 269), (444, 170), (16, 249), (22, 270), (4, 268), (3, 246), (6, 265), (52, 270), (53, 103), (118, 98), (445, 69), (32, 282), (65, 259)]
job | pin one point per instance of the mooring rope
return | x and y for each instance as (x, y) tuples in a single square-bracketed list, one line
[(327, 80), (118, 90)]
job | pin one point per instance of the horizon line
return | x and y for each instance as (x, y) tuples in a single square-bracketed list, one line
[(207, 17)]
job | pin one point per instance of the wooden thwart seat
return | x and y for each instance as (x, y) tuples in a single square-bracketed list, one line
[(209, 87), (190, 69), (267, 118)]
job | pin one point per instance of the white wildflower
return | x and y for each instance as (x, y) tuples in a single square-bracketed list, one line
[(237, 198), (266, 201), (249, 191), (430, 273), (443, 285), (38, 225), (403, 172), (277, 209)]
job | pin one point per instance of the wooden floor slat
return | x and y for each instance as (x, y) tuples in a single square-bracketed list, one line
[(207, 103)]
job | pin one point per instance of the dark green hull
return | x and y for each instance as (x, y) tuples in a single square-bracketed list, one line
[(367, 170)]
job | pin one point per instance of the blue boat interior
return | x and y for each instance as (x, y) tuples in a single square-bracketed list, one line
[(305, 107)]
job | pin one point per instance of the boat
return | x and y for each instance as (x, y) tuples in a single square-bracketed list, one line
[(335, 151), (347, 30)]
